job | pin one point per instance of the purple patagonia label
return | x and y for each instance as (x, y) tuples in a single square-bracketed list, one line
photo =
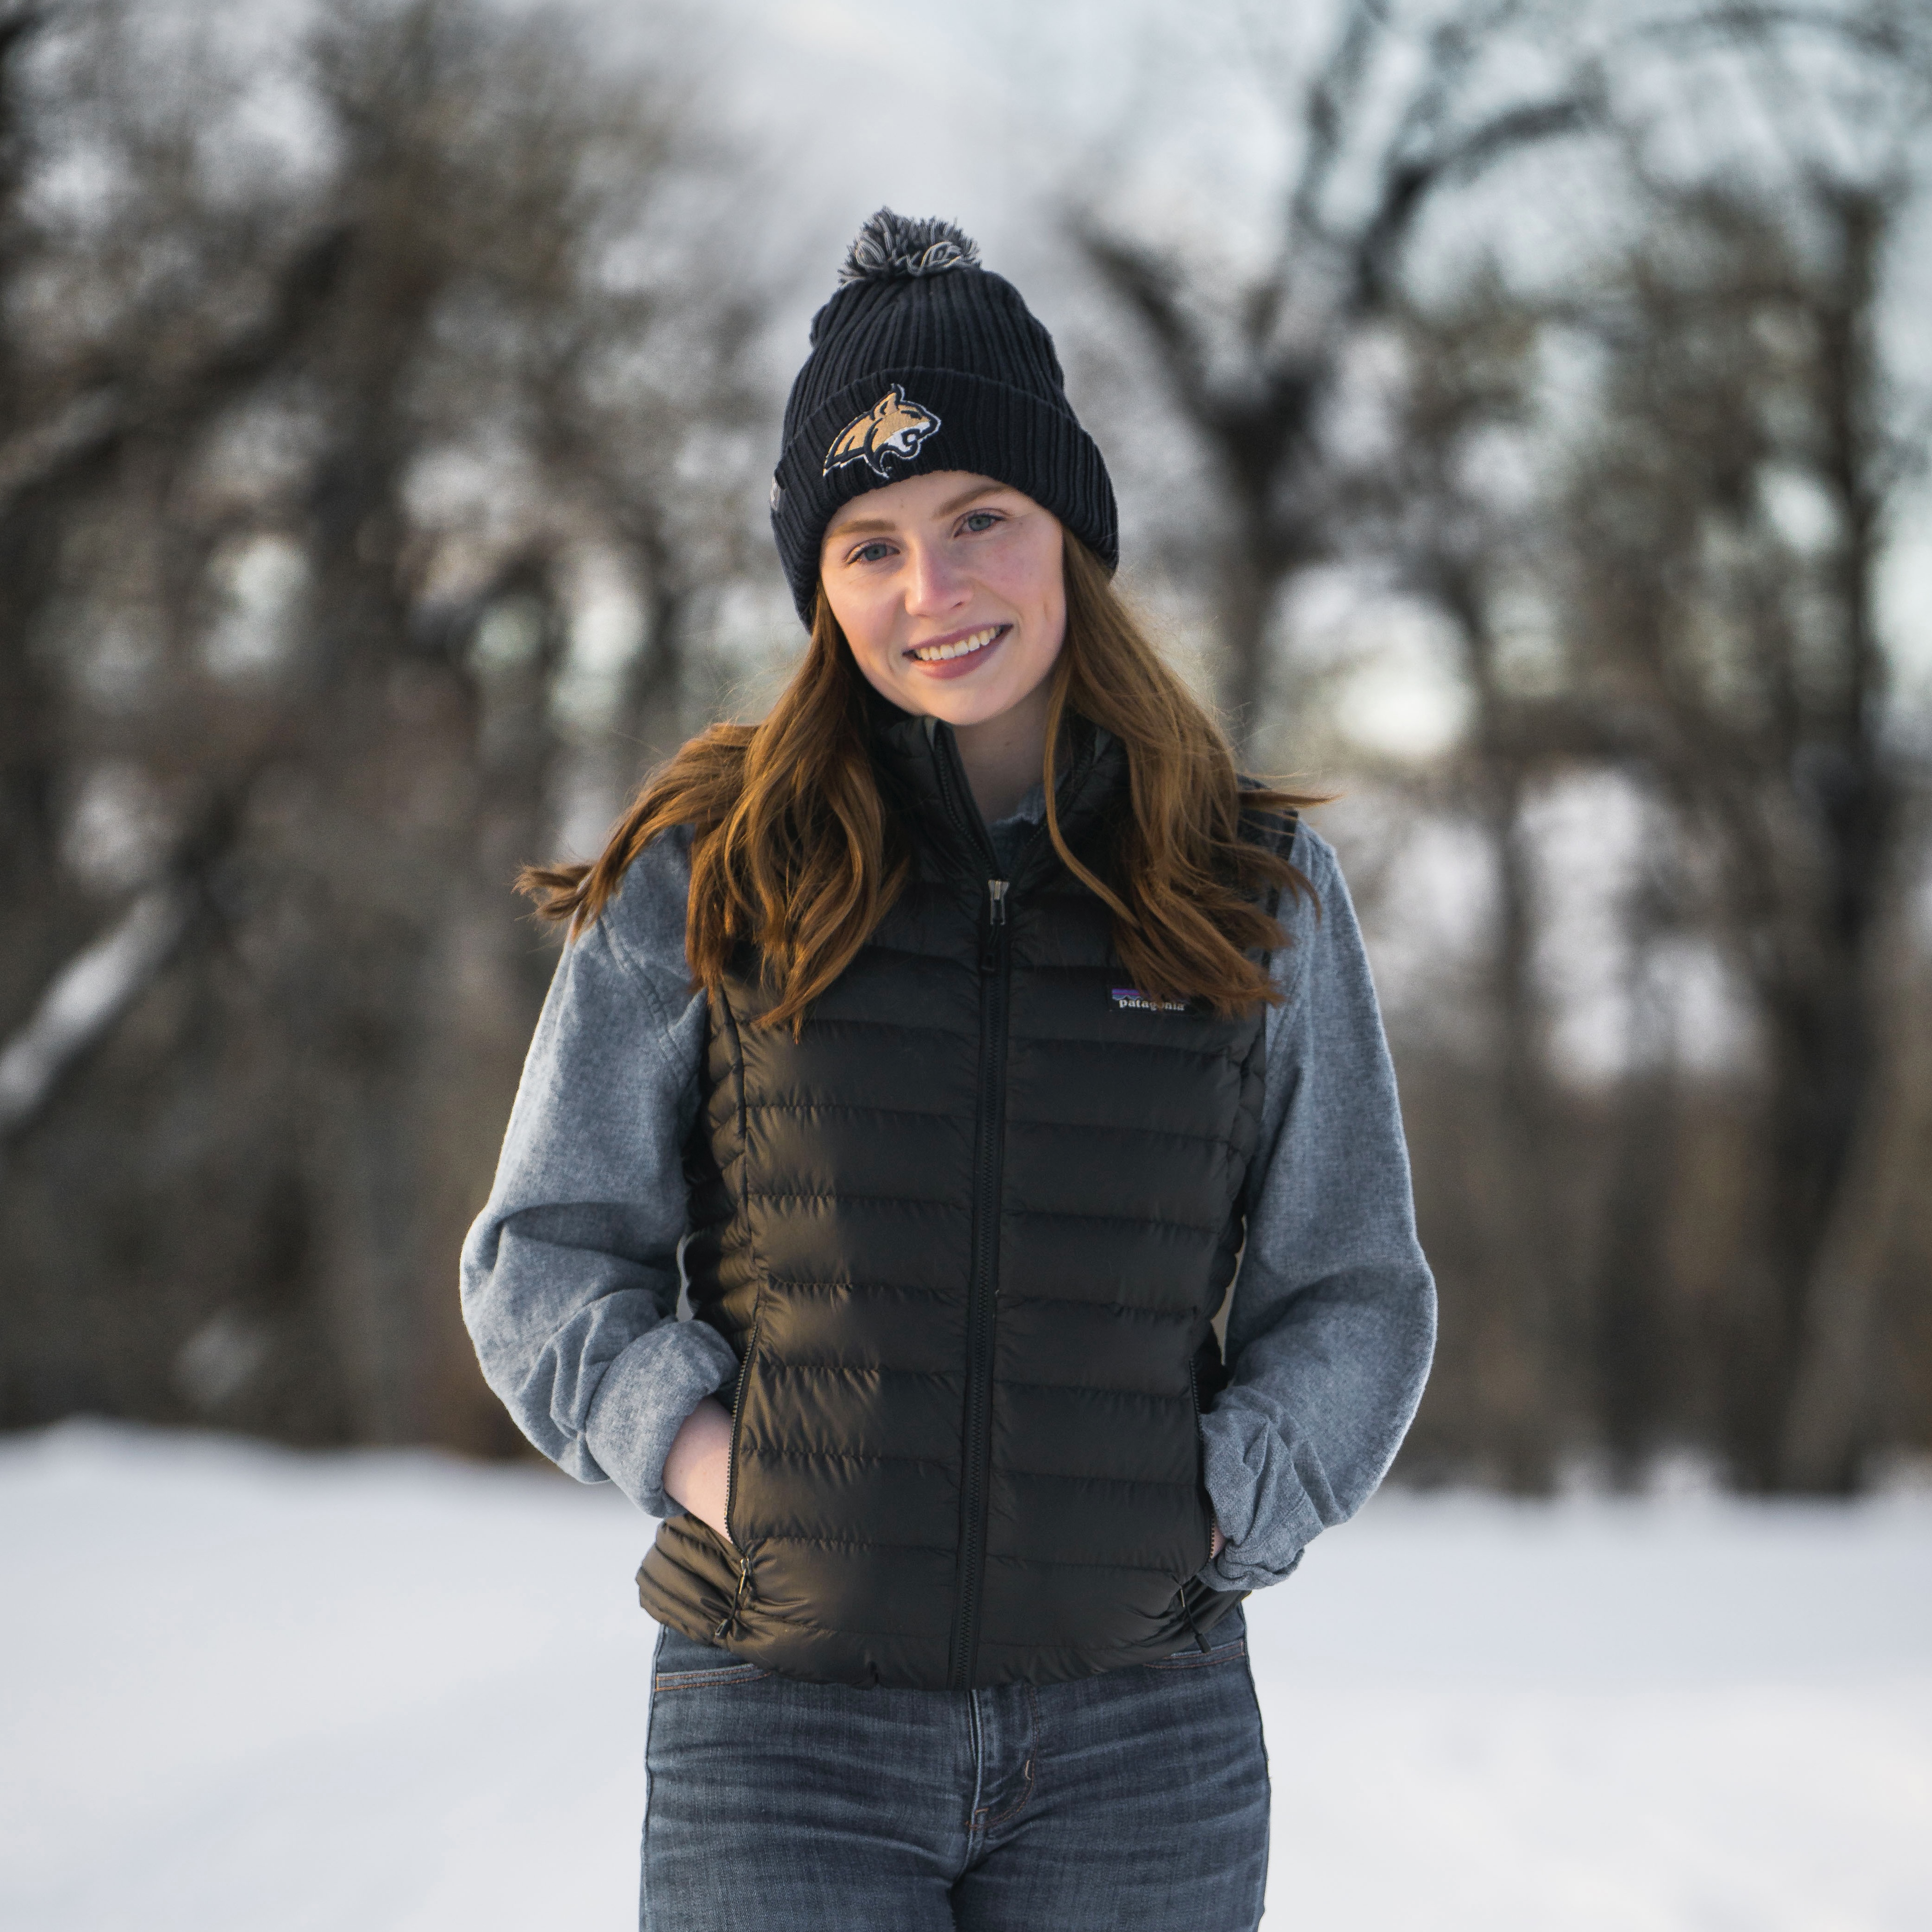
[(1132, 999)]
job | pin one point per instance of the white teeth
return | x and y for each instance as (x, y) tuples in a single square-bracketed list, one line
[(978, 641)]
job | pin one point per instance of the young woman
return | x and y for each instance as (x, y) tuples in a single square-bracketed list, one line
[(956, 1031)]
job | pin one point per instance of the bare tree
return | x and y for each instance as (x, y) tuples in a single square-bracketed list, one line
[(1439, 534), (1732, 660), (286, 1110), (1706, 574), (1695, 562), (1254, 375)]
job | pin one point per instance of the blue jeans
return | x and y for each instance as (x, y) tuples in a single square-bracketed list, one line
[(1134, 1801)]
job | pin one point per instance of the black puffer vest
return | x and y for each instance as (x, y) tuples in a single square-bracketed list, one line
[(966, 1237)]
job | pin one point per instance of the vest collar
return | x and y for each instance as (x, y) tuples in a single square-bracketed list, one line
[(919, 757)]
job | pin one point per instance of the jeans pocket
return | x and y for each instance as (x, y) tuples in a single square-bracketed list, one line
[(684, 1663), (1227, 1642)]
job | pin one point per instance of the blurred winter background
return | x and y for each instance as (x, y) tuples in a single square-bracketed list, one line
[(1520, 410)]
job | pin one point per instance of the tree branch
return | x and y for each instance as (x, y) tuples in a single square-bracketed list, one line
[(1148, 286), (1407, 185), (88, 995)]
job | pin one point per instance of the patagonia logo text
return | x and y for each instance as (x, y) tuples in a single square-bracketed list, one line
[(1131, 999), (893, 426)]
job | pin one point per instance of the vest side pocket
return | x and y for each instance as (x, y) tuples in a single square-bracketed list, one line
[(1200, 1466)]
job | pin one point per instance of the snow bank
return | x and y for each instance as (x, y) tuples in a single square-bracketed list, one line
[(245, 1691)]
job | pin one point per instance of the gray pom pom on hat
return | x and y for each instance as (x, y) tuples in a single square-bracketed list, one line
[(891, 244)]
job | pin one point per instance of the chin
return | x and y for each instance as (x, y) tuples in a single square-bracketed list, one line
[(963, 708)]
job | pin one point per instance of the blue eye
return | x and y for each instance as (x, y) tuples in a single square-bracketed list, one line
[(977, 520), (871, 553)]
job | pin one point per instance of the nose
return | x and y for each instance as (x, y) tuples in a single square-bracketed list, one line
[(935, 584)]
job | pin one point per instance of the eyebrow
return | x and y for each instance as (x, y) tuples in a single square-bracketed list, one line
[(857, 524)]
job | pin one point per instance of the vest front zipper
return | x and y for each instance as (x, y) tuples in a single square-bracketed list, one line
[(983, 1287), (983, 1278)]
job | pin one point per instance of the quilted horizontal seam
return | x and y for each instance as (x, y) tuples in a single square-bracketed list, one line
[(849, 1107), (1015, 1119), (847, 1630), (1131, 1652), (870, 1200), (779, 1364), (761, 1542), (1058, 1041), (1079, 969), (1090, 1388), (1024, 1298), (1189, 1483), (1078, 1563), (766, 1453), (902, 1636), (826, 1022), (947, 1550), (883, 948), (789, 1285), (1122, 1220)]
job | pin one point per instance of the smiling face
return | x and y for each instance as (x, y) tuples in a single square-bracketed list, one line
[(948, 588)]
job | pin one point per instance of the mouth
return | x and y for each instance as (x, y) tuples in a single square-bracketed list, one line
[(968, 644)]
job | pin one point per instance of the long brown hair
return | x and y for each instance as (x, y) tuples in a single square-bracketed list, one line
[(793, 849)]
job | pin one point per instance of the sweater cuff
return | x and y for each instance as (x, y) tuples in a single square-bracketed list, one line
[(643, 1400), (1263, 1510), (1228, 1572)]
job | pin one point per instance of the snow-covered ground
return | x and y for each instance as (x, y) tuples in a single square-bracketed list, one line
[(243, 1691)]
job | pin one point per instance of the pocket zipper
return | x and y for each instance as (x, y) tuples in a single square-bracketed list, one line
[(1193, 1630), (1201, 1443), (734, 1616), (1200, 1438)]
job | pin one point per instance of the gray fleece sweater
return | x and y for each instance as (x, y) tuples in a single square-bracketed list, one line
[(570, 1275)]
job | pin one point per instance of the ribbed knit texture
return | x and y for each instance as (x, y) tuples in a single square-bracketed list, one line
[(960, 347)]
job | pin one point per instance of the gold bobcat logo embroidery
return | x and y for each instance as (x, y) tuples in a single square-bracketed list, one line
[(892, 427)]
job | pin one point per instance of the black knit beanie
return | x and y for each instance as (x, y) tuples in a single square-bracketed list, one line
[(925, 360)]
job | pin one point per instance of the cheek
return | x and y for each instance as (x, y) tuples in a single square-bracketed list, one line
[(1053, 620), (1038, 588), (866, 623)]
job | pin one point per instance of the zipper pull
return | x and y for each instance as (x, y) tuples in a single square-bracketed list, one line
[(737, 1600), (1193, 1630), (996, 920)]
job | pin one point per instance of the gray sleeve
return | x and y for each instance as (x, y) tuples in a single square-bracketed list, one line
[(1333, 1317), (570, 1275)]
